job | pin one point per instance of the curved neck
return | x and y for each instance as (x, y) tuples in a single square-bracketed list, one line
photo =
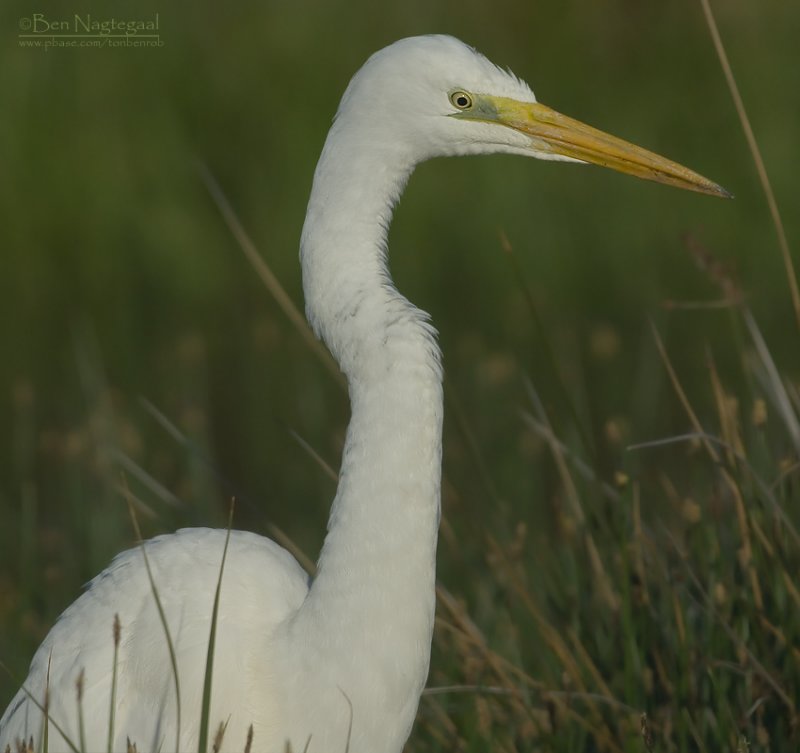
[(377, 568)]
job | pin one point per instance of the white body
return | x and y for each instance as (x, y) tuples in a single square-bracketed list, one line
[(348, 657)]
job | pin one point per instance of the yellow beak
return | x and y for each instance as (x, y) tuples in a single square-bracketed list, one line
[(554, 133)]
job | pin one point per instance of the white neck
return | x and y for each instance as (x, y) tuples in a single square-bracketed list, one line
[(374, 593)]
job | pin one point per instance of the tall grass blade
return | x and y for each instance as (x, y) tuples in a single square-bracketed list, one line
[(779, 394), (752, 144), (46, 720), (267, 276), (71, 745), (161, 616), (544, 431), (326, 468), (113, 709), (571, 493), (79, 683), (131, 467), (546, 352), (349, 723), (473, 446), (202, 744)]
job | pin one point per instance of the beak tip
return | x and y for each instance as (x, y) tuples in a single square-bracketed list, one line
[(718, 190)]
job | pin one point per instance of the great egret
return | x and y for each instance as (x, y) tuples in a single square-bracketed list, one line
[(339, 663)]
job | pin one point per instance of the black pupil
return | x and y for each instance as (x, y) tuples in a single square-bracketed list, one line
[(462, 101)]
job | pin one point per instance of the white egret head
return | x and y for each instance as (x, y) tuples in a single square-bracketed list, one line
[(436, 96)]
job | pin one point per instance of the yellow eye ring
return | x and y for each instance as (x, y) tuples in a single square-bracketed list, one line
[(461, 99)]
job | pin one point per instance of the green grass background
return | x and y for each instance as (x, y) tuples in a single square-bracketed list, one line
[(121, 288)]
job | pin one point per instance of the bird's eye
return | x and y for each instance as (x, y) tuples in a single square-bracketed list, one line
[(461, 100)]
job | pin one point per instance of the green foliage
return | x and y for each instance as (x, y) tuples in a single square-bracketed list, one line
[(584, 582)]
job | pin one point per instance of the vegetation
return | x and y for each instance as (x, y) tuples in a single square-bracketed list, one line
[(619, 543)]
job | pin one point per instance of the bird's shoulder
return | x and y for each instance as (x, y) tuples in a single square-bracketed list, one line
[(182, 569)]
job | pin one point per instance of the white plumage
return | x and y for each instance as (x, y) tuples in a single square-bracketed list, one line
[(346, 658)]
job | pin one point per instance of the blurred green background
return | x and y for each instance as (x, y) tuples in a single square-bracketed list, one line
[(126, 304)]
